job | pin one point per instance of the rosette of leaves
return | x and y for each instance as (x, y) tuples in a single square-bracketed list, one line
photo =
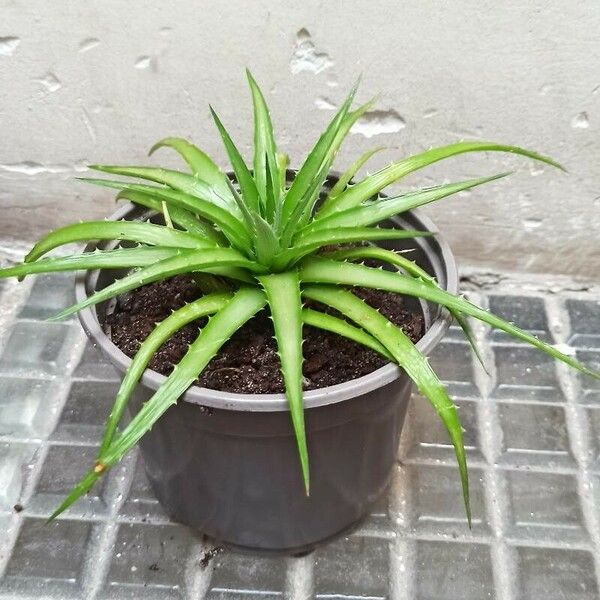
[(255, 242)]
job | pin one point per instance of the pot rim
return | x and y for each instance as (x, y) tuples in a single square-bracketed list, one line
[(276, 402)]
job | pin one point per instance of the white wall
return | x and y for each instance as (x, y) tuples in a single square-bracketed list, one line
[(100, 81)]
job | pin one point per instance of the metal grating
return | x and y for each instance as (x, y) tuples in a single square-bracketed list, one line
[(533, 434)]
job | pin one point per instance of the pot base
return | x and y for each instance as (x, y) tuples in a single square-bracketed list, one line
[(294, 552)]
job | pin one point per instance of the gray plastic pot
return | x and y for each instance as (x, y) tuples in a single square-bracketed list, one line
[(226, 464)]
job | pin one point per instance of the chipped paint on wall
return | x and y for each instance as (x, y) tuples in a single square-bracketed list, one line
[(306, 57), (30, 168), (50, 82), (378, 122), (88, 44), (8, 45), (324, 103)]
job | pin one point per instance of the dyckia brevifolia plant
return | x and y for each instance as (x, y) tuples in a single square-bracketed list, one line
[(256, 241)]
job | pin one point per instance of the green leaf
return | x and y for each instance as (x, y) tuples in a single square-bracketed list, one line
[(272, 205), (266, 169), (145, 233), (166, 215), (231, 273), (321, 270), (247, 212), (199, 162), (182, 182), (82, 488), (314, 161), (470, 336), (283, 295), (186, 261), (384, 208), (231, 227), (328, 322), (312, 241), (283, 162), (373, 184), (242, 173), (210, 284), (122, 258), (246, 302), (408, 357), (303, 209), (266, 241), (410, 267), (266, 244), (376, 253), (347, 176), (160, 334), (180, 216)]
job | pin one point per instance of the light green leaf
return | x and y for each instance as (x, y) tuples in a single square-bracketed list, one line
[(246, 303), (321, 270), (210, 284), (247, 212), (166, 215), (184, 218), (470, 336), (410, 267), (182, 182), (283, 295), (283, 162), (160, 334), (347, 176), (266, 244), (231, 227), (408, 357), (200, 163), (122, 258), (373, 184), (82, 488), (145, 233), (242, 173), (266, 169), (303, 209), (328, 322), (186, 261), (376, 253), (312, 241), (384, 208), (313, 164)]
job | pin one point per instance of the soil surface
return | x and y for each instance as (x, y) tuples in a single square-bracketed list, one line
[(248, 363)]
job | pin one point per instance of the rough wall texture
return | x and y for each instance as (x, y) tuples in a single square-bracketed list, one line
[(101, 81)]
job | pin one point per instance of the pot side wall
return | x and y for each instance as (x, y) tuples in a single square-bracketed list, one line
[(235, 475)]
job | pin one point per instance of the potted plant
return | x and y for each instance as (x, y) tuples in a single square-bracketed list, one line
[(270, 471)]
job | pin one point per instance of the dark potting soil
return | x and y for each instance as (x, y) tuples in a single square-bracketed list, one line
[(248, 363)]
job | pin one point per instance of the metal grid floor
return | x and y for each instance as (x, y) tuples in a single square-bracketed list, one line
[(533, 434)]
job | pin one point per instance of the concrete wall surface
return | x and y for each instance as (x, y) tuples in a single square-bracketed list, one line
[(101, 81)]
